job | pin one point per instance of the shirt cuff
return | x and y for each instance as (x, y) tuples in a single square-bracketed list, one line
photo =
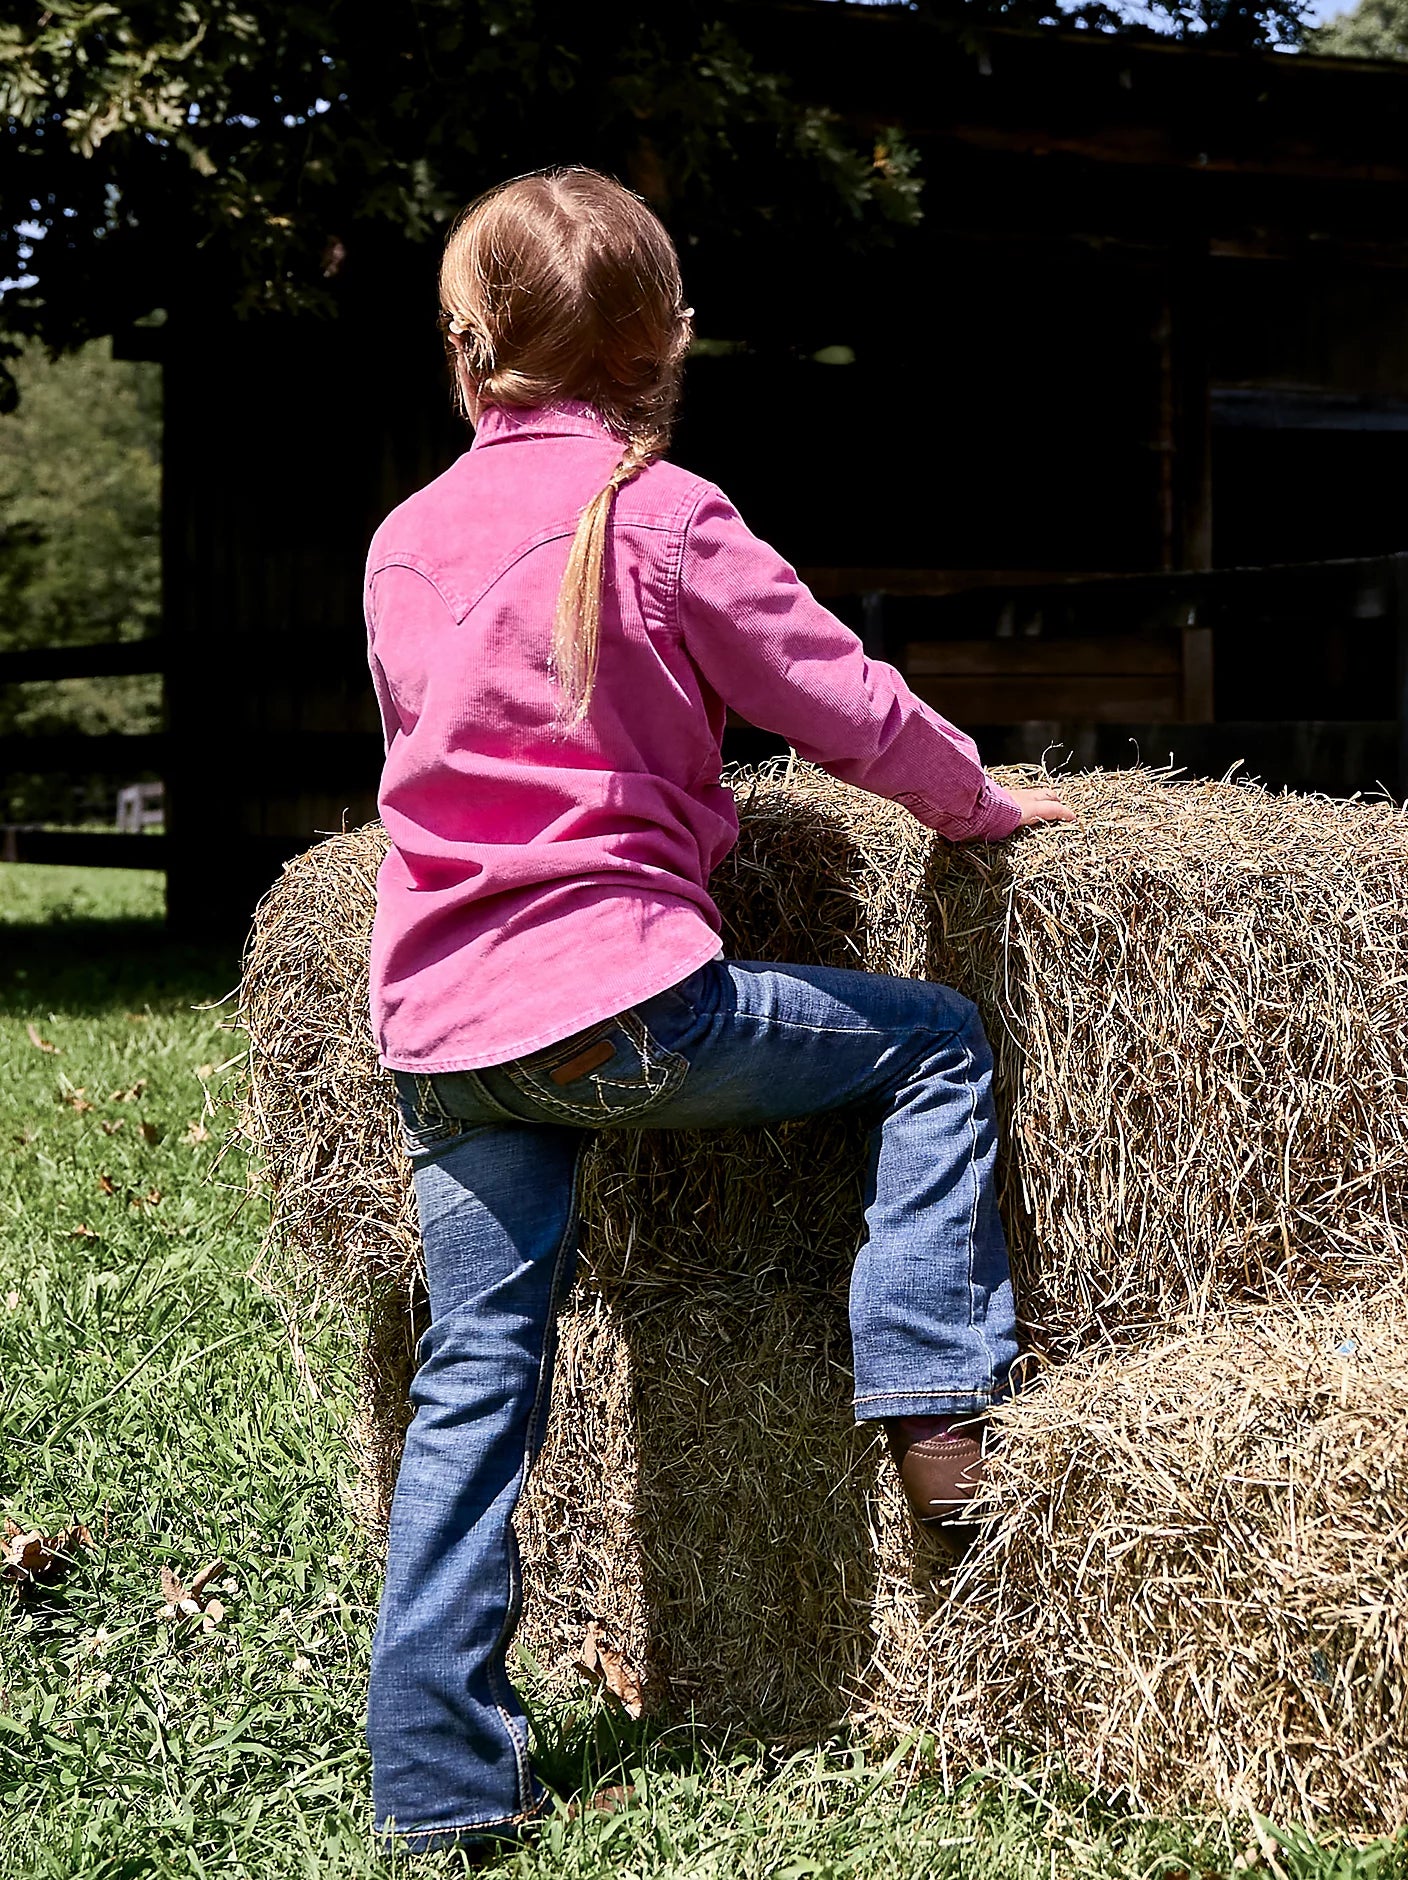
[(994, 815)]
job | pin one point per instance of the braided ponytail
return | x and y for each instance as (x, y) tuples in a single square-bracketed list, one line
[(576, 626)]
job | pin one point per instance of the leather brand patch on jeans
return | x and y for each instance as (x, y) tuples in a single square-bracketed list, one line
[(588, 1060)]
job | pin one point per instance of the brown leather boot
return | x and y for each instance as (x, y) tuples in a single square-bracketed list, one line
[(940, 1461)]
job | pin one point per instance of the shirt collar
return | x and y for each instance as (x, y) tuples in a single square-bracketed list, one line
[(568, 417)]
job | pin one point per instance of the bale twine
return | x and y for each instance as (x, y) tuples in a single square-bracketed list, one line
[(1195, 1587), (1197, 1002)]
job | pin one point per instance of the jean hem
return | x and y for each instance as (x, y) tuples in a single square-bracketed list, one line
[(879, 1405), (426, 1839)]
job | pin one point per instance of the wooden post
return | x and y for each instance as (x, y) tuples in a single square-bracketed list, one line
[(1185, 453), (184, 709), (1197, 671), (1189, 405), (872, 632), (1397, 586)]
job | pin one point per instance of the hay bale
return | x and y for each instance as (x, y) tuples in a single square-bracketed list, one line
[(1196, 1587), (1200, 1015), (1197, 1002)]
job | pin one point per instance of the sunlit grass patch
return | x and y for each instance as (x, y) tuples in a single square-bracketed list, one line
[(31, 892)]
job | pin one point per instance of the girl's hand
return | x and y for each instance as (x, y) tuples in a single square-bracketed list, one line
[(1041, 806)]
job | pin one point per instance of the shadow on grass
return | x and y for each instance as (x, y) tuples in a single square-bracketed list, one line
[(999, 1819), (582, 1747), (592, 1743), (87, 965)]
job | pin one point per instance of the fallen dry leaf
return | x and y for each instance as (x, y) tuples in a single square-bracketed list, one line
[(610, 1670), (151, 1134), (190, 1602), (205, 1070), (137, 1018), (129, 1096), (106, 1185), (77, 1100), (40, 1042), (111, 1129), (82, 1232), (34, 1558), (196, 1132), (151, 1199)]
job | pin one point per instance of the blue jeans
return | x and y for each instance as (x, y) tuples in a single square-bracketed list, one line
[(497, 1155)]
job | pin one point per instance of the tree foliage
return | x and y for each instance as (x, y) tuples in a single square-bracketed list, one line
[(80, 492), (249, 153), (174, 150), (1376, 29)]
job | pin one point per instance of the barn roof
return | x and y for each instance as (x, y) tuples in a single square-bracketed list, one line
[(1144, 102)]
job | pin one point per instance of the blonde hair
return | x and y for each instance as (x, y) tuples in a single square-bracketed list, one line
[(564, 284)]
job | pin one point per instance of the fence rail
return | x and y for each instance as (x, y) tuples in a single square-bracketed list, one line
[(109, 659), (81, 848), (1195, 633)]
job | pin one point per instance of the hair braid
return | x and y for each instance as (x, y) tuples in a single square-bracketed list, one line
[(576, 627)]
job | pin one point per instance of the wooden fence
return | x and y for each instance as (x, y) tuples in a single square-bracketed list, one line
[(1299, 672)]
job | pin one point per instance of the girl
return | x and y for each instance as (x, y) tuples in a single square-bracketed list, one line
[(557, 625)]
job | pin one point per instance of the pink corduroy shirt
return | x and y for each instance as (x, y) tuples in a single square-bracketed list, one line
[(539, 880)]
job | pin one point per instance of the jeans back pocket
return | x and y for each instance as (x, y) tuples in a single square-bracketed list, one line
[(612, 1072), (436, 1106), (423, 1118)]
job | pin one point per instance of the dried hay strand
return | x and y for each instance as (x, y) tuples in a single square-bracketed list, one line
[(1197, 1002), (1195, 1585)]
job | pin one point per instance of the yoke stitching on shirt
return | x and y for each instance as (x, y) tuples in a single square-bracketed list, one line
[(416, 564), (556, 533), (460, 608)]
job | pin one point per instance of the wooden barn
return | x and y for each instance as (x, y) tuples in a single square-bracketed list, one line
[(1110, 453)]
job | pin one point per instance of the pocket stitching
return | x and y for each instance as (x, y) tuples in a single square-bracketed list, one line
[(431, 1135), (437, 1125), (652, 1056)]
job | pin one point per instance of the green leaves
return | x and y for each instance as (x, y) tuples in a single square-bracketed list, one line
[(1375, 29), (180, 155)]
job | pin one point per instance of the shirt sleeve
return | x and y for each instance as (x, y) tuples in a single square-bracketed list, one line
[(771, 650), (412, 606), (386, 705)]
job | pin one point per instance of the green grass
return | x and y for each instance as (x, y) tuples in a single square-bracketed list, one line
[(148, 1393), (61, 897)]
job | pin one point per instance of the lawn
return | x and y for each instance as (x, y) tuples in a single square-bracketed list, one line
[(149, 1399)]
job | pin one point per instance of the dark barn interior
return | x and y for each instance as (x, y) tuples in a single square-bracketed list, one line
[(1109, 454)]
